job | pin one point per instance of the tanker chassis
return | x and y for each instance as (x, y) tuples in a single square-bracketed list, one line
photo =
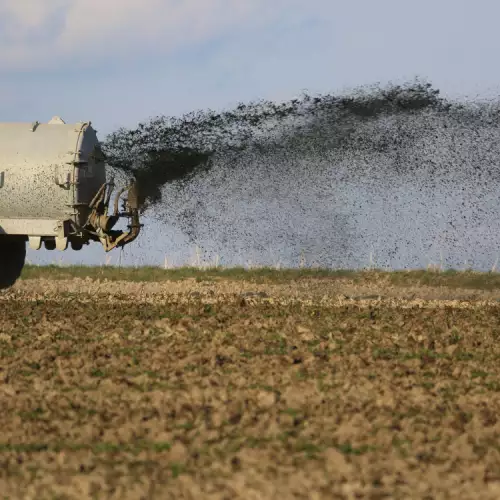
[(54, 193)]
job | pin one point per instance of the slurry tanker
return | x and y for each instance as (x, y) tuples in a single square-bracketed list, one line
[(54, 193)]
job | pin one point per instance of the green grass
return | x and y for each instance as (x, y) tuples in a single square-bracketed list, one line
[(450, 278), (150, 273)]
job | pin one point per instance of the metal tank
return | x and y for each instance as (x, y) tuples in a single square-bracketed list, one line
[(54, 192)]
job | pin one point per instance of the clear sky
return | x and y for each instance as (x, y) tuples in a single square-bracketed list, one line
[(118, 62)]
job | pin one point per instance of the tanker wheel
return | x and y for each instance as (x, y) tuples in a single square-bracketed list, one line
[(12, 257)]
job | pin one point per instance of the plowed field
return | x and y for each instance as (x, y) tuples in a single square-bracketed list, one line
[(221, 388)]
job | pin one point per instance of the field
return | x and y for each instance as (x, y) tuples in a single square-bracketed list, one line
[(190, 384)]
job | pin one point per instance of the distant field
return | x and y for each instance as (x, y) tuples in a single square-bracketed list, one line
[(262, 384), (451, 279)]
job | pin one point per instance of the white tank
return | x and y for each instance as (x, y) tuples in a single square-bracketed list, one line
[(54, 192), (48, 172)]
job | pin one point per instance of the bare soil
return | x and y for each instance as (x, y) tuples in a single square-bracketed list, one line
[(219, 388)]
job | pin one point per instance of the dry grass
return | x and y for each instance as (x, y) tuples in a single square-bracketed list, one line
[(212, 386)]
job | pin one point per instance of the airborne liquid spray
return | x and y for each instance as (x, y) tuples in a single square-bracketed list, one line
[(169, 149), (314, 173)]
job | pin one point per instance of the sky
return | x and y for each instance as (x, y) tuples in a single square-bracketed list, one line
[(119, 62)]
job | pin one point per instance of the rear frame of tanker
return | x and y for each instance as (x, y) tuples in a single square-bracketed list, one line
[(54, 193)]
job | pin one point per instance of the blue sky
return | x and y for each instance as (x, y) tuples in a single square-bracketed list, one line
[(116, 67), (118, 62)]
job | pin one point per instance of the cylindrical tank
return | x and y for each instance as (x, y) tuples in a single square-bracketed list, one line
[(53, 191), (49, 170)]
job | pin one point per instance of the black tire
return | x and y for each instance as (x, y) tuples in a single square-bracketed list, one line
[(12, 258)]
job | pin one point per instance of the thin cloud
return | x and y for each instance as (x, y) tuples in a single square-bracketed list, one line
[(37, 35)]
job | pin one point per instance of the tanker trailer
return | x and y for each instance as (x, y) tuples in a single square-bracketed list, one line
[(54, 193)]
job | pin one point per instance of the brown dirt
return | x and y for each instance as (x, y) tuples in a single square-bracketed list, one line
[(229, 389)]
